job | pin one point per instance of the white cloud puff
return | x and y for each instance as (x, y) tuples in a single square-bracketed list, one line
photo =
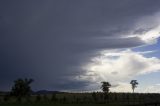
[(122, 87), (152, 89)]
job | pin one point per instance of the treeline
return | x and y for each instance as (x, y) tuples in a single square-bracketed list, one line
[(21, 92)]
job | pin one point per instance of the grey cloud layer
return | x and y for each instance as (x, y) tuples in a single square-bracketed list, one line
[(49, 40)]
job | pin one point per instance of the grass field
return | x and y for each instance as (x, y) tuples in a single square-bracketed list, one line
[(60, 105), (83, 99)]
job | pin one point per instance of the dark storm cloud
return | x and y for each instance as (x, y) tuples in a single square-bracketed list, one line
[(49, 40)]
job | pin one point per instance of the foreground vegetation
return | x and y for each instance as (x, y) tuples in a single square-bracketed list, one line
[(81, 99), (58, 105)]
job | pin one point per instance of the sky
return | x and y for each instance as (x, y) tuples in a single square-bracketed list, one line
[(74, 45)]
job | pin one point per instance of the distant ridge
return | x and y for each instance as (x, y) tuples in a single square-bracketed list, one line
[(43, 92)]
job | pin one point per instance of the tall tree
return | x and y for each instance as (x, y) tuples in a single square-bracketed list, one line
[(21, 88), (105, 87), (134, 84)]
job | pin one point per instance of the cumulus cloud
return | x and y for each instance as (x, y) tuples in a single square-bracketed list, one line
[(119, 66), (152, 89), (122, 87)]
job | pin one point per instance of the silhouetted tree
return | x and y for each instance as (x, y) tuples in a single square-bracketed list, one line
[(105, 87), (134, 84), (21, 88)]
